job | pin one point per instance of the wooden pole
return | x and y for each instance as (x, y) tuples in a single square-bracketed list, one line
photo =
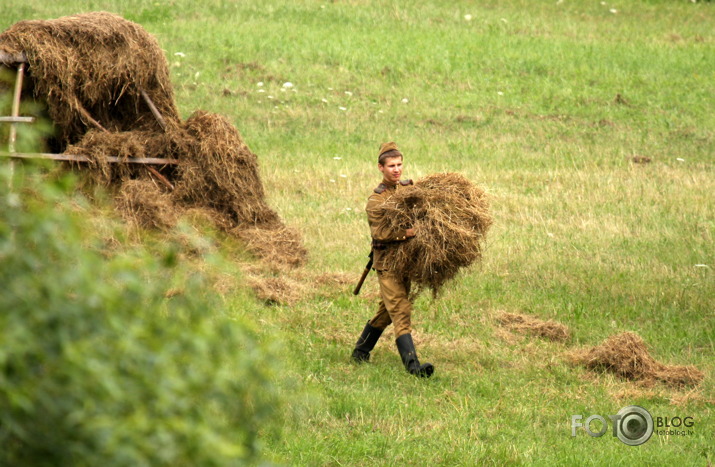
[(74, 158), (87, 115), (162, 123), (15, 113), (16, 106), (17, 119), (153, 109), (161, 178)]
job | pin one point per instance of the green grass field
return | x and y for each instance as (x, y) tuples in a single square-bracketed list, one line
[(545, 104)]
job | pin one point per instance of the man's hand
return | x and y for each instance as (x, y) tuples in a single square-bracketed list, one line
[(409, 233)]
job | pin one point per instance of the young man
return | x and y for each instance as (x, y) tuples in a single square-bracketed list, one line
[(395, 306)]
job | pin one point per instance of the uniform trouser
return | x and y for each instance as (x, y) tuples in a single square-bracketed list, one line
[(395, 306)]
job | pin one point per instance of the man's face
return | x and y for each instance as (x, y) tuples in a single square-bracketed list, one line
[(391, 169)]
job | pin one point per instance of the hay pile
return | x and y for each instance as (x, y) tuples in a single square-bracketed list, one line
[(627, 356), (451, 218), (222, 173), (93, 66), (550, 330), (143, 203), (91, 70)]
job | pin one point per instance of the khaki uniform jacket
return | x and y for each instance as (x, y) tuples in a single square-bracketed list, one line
[(386, 238)]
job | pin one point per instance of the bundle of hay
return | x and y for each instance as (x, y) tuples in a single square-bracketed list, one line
[(450, 216), (222, 175), (627, 356), (93, 70)]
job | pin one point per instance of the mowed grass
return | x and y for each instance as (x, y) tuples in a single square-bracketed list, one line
[(545, 105)]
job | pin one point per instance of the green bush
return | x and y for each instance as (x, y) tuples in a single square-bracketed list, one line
[(98, 367)]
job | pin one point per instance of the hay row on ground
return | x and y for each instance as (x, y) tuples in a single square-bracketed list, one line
[(91, 70), (450, 216), (550, 330), (627, 356)]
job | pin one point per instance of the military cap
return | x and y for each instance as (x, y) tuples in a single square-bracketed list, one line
[(388, 150)]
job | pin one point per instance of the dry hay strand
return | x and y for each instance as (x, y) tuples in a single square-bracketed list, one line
[(332, 284), (624, 394), (690, 397), (144, 203), (627, 356), (450, 216), (550, 330), (508, 336), (93, 66), (276, 245), (276, 290), (335, 279)]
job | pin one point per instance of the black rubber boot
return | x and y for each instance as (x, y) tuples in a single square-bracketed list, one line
[(409, 357), (366, 343)]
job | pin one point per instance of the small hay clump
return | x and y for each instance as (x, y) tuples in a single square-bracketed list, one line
[(550, 330), (276, 290), (276, 245), (143, 202), (627, 356), (451, 218)]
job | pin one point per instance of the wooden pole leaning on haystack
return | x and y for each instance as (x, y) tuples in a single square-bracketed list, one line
[(85, 113), (154, 110), (162, 123)]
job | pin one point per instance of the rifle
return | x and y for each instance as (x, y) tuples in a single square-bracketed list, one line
[(368, 266)]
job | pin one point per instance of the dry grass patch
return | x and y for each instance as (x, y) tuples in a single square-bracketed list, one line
[(526, 324), (276, 290)]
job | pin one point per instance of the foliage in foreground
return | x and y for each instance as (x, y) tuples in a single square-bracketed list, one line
[(99, 367)]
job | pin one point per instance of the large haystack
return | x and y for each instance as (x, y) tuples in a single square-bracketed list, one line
[(627, 356), (451, 218), (99, 75), (93, 66)]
